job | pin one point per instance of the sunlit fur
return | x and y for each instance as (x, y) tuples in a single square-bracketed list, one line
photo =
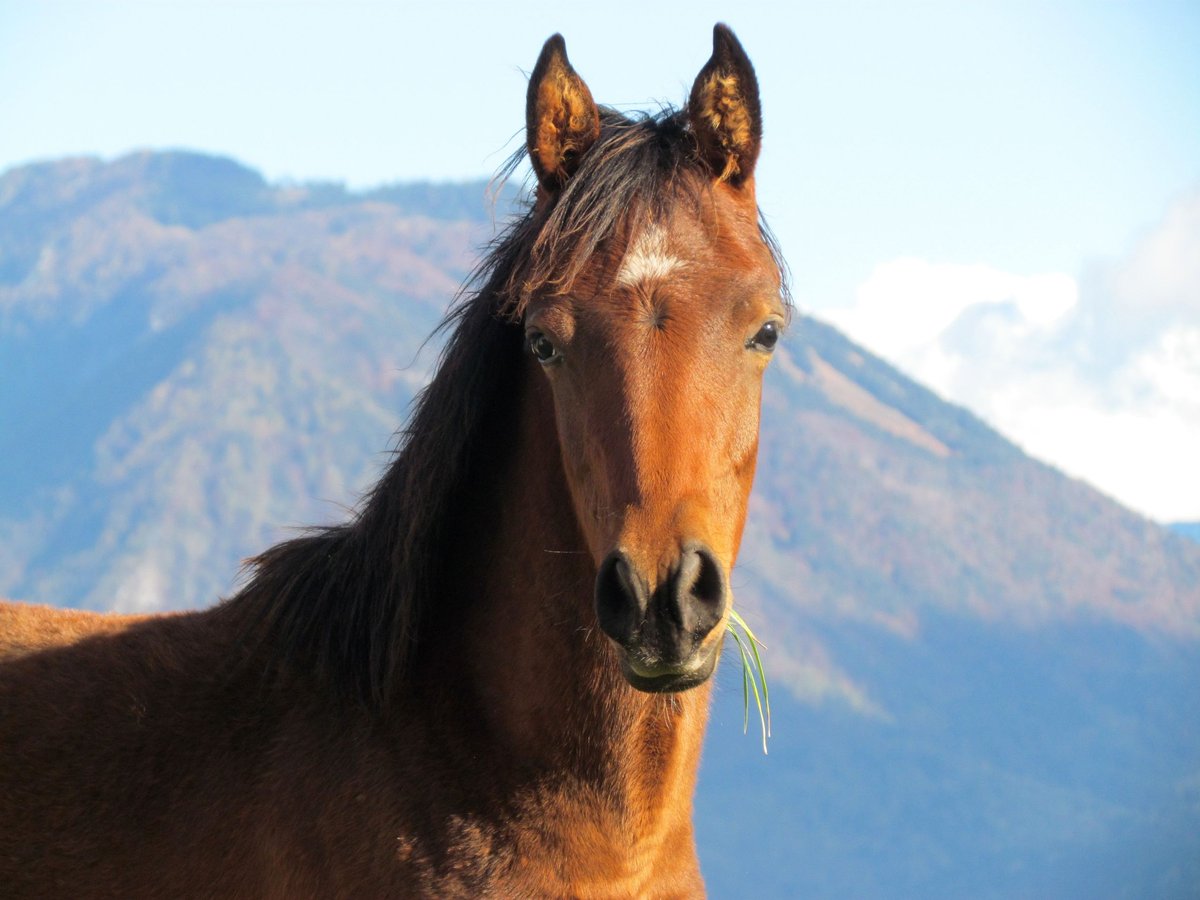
[(418, 702)]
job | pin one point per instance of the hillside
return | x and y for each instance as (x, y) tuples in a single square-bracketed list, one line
[(194, 361), (984, 671), (880, 506)]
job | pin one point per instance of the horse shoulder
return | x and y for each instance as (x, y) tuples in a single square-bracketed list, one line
[(128, 760), (27, 628)]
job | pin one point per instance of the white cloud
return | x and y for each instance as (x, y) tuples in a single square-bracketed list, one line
[(1163, 273), (1099, 376)]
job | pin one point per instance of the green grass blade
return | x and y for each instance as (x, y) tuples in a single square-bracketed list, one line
[(762, 676), (758, 703), (745, 682), (752, 677), (755, 643)]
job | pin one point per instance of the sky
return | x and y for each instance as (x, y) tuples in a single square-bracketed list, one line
[(1002, 198)]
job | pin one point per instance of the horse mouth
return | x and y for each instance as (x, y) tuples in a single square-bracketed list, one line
[(671, 679)]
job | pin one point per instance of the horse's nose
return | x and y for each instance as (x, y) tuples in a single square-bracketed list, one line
[(666, 627)]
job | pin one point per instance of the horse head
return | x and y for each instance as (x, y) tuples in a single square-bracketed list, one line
[(652, 317)]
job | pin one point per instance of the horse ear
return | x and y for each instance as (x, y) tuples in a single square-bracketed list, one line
[(561, 119), (724, 110)]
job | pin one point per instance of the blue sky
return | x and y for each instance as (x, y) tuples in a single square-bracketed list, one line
[(933, 169)]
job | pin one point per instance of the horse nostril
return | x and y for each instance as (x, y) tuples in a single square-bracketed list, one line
[(709, 586), (670, 624), (620, 598), (700, 591)]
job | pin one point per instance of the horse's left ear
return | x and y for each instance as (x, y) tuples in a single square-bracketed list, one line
[(724, 110), (561, 118)]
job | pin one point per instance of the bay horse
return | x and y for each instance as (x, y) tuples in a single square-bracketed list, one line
[(493, 679)]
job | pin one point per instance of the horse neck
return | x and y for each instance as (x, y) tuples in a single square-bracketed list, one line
[(528, 656)]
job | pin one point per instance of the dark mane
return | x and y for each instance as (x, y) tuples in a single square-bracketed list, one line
[(350, 600)]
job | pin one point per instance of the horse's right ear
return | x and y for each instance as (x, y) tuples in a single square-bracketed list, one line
[(724, 110), (561, 119)]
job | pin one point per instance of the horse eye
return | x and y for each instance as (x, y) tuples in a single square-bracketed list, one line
[(766, 338), (542, 348)]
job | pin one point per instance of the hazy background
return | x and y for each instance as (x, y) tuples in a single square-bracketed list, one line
[(1002, 198)]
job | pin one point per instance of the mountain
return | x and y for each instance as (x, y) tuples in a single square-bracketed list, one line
[(194, 361), (984, 673)]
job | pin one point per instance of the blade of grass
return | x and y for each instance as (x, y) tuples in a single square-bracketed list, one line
[(762, 675), (761, 718), (752, 676), (745, 682)]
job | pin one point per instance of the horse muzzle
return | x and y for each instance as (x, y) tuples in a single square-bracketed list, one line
[(661, 633)]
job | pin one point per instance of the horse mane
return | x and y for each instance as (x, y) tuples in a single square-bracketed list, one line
[(350, 601)]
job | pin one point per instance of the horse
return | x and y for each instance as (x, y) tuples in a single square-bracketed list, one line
[(493, 678)]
